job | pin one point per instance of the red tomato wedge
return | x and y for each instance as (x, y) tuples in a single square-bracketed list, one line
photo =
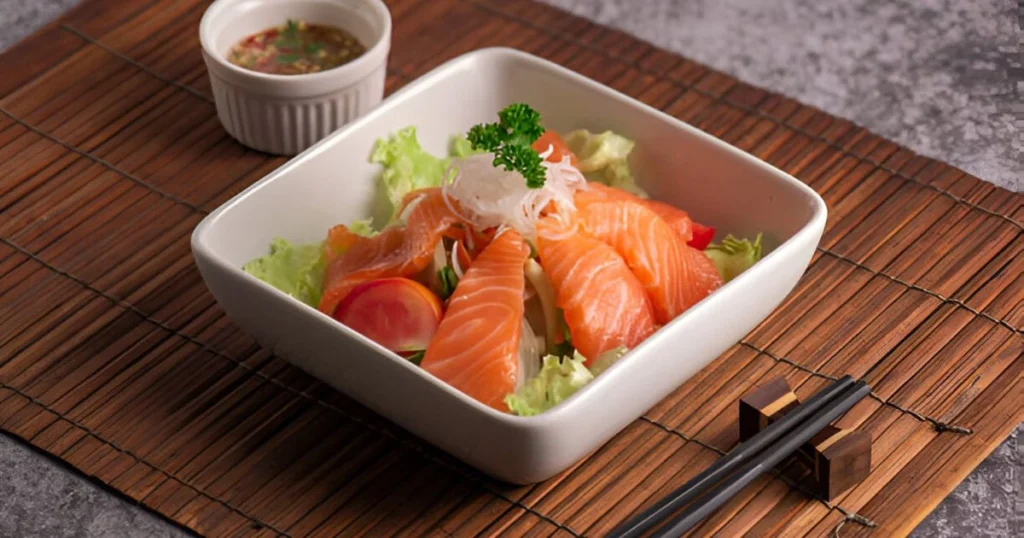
[(561, 150), (397, 313), (702, 236)]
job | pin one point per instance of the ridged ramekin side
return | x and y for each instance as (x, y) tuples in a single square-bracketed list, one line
[(288, 126)]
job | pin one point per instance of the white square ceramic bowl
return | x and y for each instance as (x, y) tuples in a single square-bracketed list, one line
[(333, 183)]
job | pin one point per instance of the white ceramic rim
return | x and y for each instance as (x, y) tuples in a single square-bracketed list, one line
[(553, 415), (297, 85)]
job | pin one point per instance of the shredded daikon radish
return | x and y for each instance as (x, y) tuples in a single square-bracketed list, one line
[(489, 197), (456, 266)]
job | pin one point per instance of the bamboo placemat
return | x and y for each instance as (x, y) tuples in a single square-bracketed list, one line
[(114, 358)]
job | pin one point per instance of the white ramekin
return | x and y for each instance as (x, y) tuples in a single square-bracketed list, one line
[(285, 114)]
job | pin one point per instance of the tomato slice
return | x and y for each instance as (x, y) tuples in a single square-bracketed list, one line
[(397, 313), (702, 236), (560, 151)]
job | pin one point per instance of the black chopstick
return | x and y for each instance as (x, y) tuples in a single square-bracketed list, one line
[(738, 456), (767, 459)]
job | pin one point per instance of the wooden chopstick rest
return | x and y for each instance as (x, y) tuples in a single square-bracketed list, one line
[(765, 405), (842, 459), (839, 458)]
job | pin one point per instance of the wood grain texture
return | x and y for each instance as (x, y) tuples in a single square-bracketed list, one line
[(114, 357)]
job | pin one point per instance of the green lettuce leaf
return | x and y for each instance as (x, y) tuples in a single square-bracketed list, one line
[(462, 147), (407, 166), (363, 227), (619, 176), (297, 270), (604, 158), (733, 256), (606, 359), (558, 379)]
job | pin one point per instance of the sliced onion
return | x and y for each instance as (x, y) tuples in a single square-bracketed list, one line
[(456, 265), (528, 292), (530, 352), (433, 281), (410, 206), (440, 260), (546, 293)]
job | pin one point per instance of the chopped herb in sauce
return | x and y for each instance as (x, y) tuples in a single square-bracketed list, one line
[(296, 48)]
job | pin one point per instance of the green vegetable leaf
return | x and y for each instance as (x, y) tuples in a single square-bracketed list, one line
[(297, 270), (363, 227), (733, 256), (449, 281), (604, 158), (287, 58), (524, 160), (417, 358), (314, 47), (487, 137), (462, 147), (606, 359), (291, 28), (565, 348), (407, 166), (558, 379), (289, 38), (522, 122), (510, 140)]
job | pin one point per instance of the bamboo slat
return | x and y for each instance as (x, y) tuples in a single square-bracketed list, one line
[(114, 358)]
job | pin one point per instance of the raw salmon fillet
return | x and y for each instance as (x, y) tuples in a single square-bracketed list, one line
[(673, 279), (476, 346), (705, 278), (605, 305), (398, 251), (678, 219)]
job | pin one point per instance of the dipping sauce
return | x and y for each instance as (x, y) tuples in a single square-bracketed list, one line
[(296, 48)]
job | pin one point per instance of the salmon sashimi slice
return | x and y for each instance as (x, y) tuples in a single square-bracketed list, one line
[(672, 278), (605, 306), (398, 251), (476, 346), (678, 219), (350, 251), (704, 277)]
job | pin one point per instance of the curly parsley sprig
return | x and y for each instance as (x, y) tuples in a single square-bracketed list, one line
[(511, 141)]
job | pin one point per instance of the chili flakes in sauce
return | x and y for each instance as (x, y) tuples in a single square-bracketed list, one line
[(296, 48)]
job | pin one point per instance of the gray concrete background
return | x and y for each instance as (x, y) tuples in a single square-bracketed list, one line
[(942, 77)]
